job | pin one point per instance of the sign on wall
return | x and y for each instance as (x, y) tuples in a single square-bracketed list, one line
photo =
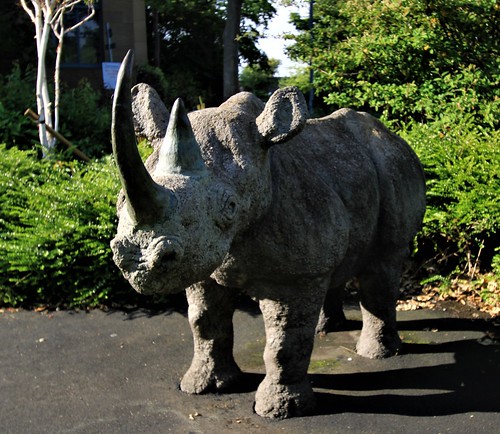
[(109, 74)]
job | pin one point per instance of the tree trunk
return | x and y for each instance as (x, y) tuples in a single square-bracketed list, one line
[(47, 15), (156, 39), (42, 94), (57, 77), (231, 55)]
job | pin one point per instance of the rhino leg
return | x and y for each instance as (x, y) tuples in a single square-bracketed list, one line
[(290, 322), (210, 314), (379, 290), (332, 316)]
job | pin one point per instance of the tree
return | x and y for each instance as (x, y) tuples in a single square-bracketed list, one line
[(230, 38), (48, 16), (190, 44), (403, 59), (260, 81), (240, 39)]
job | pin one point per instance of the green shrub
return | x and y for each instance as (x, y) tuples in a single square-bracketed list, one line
[(155, 77), (86, 119), (16, 95), (462, 165), (402, 59), (260, 81), (84, 115), (56, 222)]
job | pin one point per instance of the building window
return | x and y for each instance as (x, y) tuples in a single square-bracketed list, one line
[(82, 46)]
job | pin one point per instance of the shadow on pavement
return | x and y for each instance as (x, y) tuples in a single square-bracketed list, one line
[(470, 384)]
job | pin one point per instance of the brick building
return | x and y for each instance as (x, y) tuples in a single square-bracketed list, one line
[(119, 25)]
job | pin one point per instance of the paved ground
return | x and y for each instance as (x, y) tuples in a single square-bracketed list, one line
[(117, 372)]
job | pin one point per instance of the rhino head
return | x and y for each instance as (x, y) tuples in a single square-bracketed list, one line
[(209, 180)]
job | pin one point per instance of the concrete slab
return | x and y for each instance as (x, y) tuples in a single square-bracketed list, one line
[(118, 372)]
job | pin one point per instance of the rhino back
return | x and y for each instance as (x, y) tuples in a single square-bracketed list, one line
[(340, 189)]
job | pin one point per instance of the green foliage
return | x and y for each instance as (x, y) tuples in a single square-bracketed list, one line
[(191, 50), (462, 165), (86, 119), (85, 116), (155, 77), (432, 71), (495, 262), (17, 94), (300, 78), (259, 81), (56, 222), (255, 13), (404, 59)]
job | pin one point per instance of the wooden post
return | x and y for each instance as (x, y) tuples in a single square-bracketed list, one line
[(32, 115)]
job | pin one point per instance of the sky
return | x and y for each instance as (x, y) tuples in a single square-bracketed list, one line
[(273, 45)]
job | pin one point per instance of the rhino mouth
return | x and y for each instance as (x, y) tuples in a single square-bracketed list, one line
[(146, 267)]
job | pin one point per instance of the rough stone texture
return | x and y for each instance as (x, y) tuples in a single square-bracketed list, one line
[(286, 210), (150, 114)]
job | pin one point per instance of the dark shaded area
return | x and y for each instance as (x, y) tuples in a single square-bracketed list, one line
[(16, 34), (471, 384)]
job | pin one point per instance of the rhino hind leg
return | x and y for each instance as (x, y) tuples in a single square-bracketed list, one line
[(210, 314), (290, 323), (379, 290), (332, 317)]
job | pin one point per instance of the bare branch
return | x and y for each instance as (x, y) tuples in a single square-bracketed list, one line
[(58, 24), (28, 10), (88, 17)]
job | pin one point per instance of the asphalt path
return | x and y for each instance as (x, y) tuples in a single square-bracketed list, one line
[(118, 372)]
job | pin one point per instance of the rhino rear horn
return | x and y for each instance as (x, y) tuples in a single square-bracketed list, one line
[(142, 192), (180, 152)]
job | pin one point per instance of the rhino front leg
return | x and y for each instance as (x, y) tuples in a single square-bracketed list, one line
[(290, 323), (379, 290), (210, 314)]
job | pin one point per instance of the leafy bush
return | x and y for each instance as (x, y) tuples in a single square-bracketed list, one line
[(17, 94), (462, 223), (261, 82), (86, 119), (56, 222), (403, 59), (155, 77), (430, 70)]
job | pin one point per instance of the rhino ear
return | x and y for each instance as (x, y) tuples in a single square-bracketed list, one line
[(150, 114), (284, 116)]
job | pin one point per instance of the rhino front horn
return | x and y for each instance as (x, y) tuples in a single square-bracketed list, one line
[(142, 192), (180, 152)]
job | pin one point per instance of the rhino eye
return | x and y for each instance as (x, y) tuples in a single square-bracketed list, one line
[(227, 206)]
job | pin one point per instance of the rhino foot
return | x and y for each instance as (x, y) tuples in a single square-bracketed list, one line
[(378, 347), (379, 336), (200, 378), (281, 401)]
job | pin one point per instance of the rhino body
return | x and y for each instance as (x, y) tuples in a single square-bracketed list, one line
[(255, 198)]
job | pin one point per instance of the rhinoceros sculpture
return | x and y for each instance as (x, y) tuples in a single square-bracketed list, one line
[(256, 198)]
